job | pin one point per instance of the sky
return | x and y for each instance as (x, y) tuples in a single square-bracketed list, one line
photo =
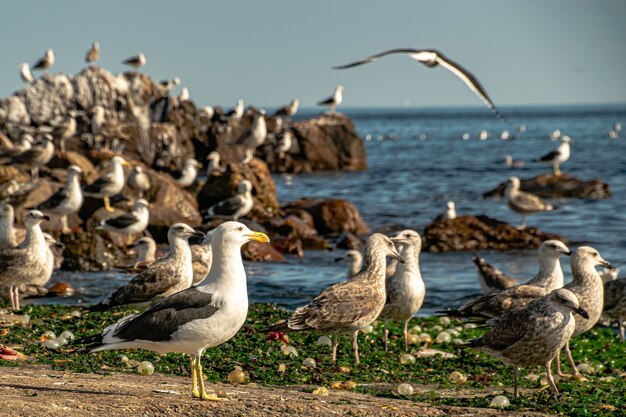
[(524, 52)]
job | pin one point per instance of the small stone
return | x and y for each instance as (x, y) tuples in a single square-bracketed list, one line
[(76, 314), (416, 329), (344, 369), (443, 337), (607, 379), (324, 341), (145, 368), (532, 377), (468, 326), (289, 350), (48, 335), (453, 332), (336, 385), (349, 385), (132, 363), (282, 368), (309, 363), (52, 344), (407, 358), (405, 389), (585, 368), (444, 321), (500, 402), (67, 335), (122, 358), (61, 341), (322, 391), (458, 342), (412, 339), (367, 329), (425, 338), (236, 376), (457, 377), (436, 329)]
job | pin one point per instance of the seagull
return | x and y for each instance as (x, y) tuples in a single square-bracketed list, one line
[(26, 262), (130, 223), (556, 134), (167, 85), (65, 131), (8, 239), (284, 143), (201, 258), (354, 260), (333, 101), (617, 126), (207, 111), (166, 276), (560, 155), (25, 73), (138, 180), (34, 158), (146, 250), (237, 206), (110, 184), (40, 280), (214, 164), (491, 279), (433, 58), (93, 54), (522, 202), (405, 289), (253, 137), (66, 201), (508, 160), (189, 173), (184, 94), (615, 303), (532, 335), (347, 307), (450, 213), (97, 119), (24, 143), (588, 287), (136, 61), (237, 112), (194, 319), (46, 61), (506, 135), (483, 135), (290, 110), (549, 277)]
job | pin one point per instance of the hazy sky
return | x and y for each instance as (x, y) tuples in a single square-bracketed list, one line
[(267, 52)]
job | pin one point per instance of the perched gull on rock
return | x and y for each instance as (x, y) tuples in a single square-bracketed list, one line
[(522, 202), (28, 261), (67, 200), (491, 279), (558, 156), (167, 85), (110, 184), (347, 307), (433, 58), (93, 54), (532, 335), (333, 101), (284, 143), (97, 119), (65, 131), (254, 137), (25, 73), (214, 164), (195, 319), (130, 223), (237, 206), (138, 180), (237, 112), (450, 213), (550, 277), (189, 173), (354, 260), (8, 238), (588, 287), (46, 61), (405, 289), (136, 61), (201, 258), (34, 158), (166, 276), (289, 110), (615, 303)]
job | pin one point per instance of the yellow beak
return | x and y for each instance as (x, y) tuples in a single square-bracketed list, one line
[(258, 236), (126, 164)]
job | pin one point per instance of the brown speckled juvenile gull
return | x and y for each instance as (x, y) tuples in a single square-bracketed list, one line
[(522, 202), (347, 307), (491, 279), (550, 277), (615, 303), (588, 287), (405, 289), (166, 276), (532, 335)]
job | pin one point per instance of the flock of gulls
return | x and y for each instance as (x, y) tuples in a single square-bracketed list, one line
[(195, 296)]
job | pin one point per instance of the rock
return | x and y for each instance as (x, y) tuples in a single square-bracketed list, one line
[(293, 229), (470, 233), (261, 252), (350, 241), (61, 289), (562, 186), (331, 216), (89, 251)]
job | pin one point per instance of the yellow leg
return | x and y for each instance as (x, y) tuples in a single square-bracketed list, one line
[(203, 393), (107, 204), (129, 240), (194, 379)]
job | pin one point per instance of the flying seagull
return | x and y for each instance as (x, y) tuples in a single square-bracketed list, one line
[(432, 58)]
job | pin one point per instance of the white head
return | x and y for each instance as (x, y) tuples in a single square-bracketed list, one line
[(450, 205), (588, 255), (408, 237), (142, 58), (182, 231), (74, 170), (562, 297), (214, 156), (240, 103), (295, 102), (513, 183), (24, 67), (566, 139), (118, 161), (49, 53), (137, 169), (192, 163), (34, 217), (96, 45), (141, 203), (244, 186), (7, 212), (553, 249), (235, 233), (382, 245)]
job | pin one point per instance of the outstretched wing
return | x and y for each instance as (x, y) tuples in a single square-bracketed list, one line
[(373, 58)]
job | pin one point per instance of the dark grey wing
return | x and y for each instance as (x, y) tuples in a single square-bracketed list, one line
[(507, 329), (97, 185), (550, 156), (161, 320), (148, 284), (41, 63), (27, 157), (405, 51), (614, 293), (123, 221), (283, 111), (54, 201), (131, 61), (493, 277), (227, 207)]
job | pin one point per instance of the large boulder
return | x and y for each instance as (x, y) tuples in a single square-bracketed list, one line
[(472, 233), (331, 217), (561, 186)]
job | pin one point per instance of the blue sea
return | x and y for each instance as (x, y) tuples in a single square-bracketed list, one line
[(417, 162)]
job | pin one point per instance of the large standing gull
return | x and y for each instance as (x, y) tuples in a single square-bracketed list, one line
[(189, 173), (532, 335), (195, 319), (615, 303), (550, 277), (433, 58), (26, 262), (34, 158), (67, 200), (405, 289), (491, 279), (130, 223), (522, 202), (166, 276), (558, 156), (46, 61), (253, 137), (8, 238), (237, 206), (333, 101), (347, 307), (588, 287), (289, 110), (110, 184), (93, 54)]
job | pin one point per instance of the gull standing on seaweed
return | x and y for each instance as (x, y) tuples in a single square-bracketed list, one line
[(195, 319), (491, 279), (347, 307), (532, 335), (67, 200), (188, 175), (109, 184), (25, 73), (131, 223), (522, 202), (253, 137), (166, 276), (138, 180), (237, 206), (558, 156), (405, 289), (333, 101), (433, 58), (46, 61), (93, 54)]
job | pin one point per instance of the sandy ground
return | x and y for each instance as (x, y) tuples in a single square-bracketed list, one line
[(30, 390)]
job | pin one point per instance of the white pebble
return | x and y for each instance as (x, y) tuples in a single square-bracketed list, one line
[(405, 389), (443, 337), (67, 335), (76, 314), (309, 363), (289, 350), (468, 326), (51, 344), (324, 341), (145, 368), (500, 402), (585, 368), (48, 335), (367, 329), (61, 341), (458, 342), (416, 329), (407, 358), (444, 321), (436, 329), (453, 332), (122, 358), (457, 378)]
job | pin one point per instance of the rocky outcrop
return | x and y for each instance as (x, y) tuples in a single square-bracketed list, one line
[(562, 186), (472, 233), (331, 217)]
